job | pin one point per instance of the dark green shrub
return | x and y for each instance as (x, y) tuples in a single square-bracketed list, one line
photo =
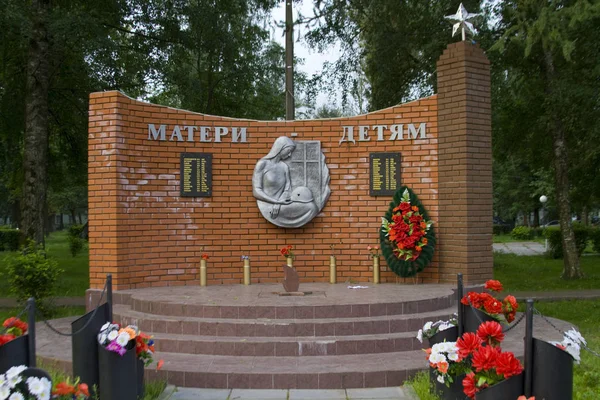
[(522, 233), (554, 236), (75, 245), (33, 274), (537, 232), (501, 229), (595, 238), (10, 239), (75, 241)]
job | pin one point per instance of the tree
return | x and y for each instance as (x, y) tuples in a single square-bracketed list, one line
[(547, 32)]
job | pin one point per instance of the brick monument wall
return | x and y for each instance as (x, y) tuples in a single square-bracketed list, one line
[(145, 234)]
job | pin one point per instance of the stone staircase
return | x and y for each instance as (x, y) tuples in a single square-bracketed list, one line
[(323, 342)]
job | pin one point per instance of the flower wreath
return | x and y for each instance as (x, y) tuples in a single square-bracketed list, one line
[(407, 236)]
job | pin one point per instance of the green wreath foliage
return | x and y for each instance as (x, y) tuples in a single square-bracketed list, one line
[(400, 267)]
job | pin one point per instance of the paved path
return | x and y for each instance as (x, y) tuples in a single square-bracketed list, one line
[(521, 248), (387, 393)]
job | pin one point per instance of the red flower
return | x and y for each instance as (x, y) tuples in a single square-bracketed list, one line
[(83, 389), (508, 365), (469, 385), (204, 256), (404, 206), (493, 285), (467, 344), (491, 333), (6, 338), (525, 398), (485, 357), (492, 306), (159, 365), (15, 326), (473, 298), (510, 304), (510, 317)]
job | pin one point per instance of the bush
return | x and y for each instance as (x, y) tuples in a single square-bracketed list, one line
[(33, 274), (501, 229), (10, 239), (75, 240), (522, 233), (595, 238), (554, 236), (537, 232)]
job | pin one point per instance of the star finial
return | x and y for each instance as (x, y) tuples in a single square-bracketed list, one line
[(462, 18)]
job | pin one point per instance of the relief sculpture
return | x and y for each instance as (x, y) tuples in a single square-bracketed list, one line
[(291, 183)]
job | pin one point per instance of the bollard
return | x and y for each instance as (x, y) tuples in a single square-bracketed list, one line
[(109, 296), (528, 347), (31, 331), (203, 272), (246, 271), (375, 270), (460, 294), (332, 270)]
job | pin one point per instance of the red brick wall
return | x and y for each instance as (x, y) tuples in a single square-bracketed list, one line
[(145, 234)]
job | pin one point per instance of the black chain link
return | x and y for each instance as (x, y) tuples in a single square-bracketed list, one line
[(53, 329), (584, 346), (5, 329)]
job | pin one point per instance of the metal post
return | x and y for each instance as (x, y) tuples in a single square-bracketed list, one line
[(459, 293), (109, 297), (289, 62), (31, 331), (528, 347)]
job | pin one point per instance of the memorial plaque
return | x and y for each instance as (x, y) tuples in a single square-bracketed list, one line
[(196, 175), (385, 173)]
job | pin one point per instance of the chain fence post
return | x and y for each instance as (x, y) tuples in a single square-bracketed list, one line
[(109, 297), (31, 331), (528, 347), (459, 293)]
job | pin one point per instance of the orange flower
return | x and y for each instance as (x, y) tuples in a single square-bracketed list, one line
[(424, 240), (415, 208), (159, 365), (63, 388), (83, 390), (423, 224), (442, 367), (418, 248), (129, 331)]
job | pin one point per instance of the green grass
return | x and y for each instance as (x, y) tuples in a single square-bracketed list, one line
[(75, 279), (538, 273), (585, 314), (508, 239), (422, 386), (58, 312)]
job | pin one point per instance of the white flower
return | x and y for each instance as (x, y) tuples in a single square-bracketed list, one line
[(435, 358), (2, 379), (427, 326), (14, 371), (4, 392), (35, 386), (443, 326), (574, 351), (105, 327), (102, 338), (575, 336), (113, 335), (123, 339), (440, 378), (453, 356), (47, 388), (16, 396), (14, 381), (420, 335)]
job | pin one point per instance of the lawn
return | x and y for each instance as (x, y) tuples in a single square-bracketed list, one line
[(75, 278), (539, 273), (509, 238), (58, 312)]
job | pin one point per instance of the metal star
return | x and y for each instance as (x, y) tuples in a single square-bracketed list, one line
[(462, 18)]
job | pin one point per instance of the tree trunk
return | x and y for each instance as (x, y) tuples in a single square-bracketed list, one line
[(536, 217), (35, 154), (571, 269)]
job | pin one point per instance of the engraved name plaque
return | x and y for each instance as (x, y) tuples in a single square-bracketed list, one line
[(384, 173), (196, 175)]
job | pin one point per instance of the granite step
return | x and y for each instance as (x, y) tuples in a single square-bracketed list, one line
[(287, 346), (279, 327), (319, 372)]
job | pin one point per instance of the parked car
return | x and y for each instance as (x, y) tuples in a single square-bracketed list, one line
[(500, 221), (552, 223)]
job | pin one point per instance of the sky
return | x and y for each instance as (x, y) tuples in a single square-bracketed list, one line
[(313, 60)]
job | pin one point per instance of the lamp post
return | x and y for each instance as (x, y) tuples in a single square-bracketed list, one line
[(543, 200)]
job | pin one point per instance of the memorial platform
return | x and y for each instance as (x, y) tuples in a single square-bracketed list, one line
[(238, 336)]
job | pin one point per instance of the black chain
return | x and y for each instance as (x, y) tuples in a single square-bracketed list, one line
[(584, 346), (6, 328), (86, 324)]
